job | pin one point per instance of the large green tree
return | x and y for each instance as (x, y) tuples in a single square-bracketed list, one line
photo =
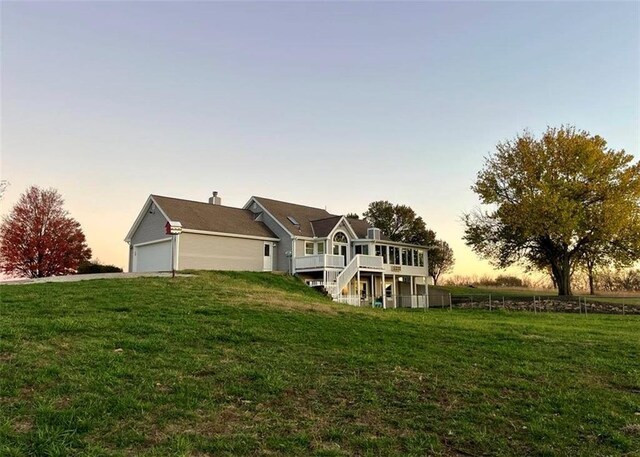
[(399, 223), (551, 201)]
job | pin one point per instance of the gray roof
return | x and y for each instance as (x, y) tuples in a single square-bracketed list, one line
[(322, 227), (212, 218), (312, 221), (301, 214)]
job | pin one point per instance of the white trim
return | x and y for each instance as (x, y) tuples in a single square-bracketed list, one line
[(141, 215), (230, 235), (177, 256), (333, 230), (152, 242), (253, 199)]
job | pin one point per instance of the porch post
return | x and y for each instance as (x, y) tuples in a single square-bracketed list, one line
[(358, 287), (412, 291), (384, 292), (394, 292)]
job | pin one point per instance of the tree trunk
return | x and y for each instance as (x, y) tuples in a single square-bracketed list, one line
[(592, 290), (562, 274)]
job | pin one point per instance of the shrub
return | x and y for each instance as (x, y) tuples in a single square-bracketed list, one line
[(95, 267)]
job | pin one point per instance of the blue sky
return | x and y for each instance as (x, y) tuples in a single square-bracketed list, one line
[(326, 104)]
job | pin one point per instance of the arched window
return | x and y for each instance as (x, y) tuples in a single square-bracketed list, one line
[(340, 237)]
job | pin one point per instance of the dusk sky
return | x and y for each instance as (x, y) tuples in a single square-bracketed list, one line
[(326, 104)]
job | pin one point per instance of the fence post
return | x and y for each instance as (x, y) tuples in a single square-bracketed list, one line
[(489, 302), (535, 311), (579, 305), (585, 306), (450, 302), (623, 307), (503, 307)]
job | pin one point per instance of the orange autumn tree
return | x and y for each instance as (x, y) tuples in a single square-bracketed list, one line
[(39, 238)]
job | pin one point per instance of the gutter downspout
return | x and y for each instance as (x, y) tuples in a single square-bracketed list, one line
[(293, 255)]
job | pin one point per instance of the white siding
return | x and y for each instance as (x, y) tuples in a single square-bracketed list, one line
[(212, 252)]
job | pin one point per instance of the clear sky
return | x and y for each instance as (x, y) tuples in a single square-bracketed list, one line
[(325, 104)]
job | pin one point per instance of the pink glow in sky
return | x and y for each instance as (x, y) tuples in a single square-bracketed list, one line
[(324, 104)]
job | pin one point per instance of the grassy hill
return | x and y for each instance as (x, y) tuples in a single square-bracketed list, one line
[(241, 363)]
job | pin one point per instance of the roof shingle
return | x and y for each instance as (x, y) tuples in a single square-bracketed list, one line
[(212, 218)]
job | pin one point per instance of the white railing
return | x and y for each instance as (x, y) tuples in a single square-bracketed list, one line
[(352, 300), (371, 262), (345, 275), (358, 262), (318, 261)]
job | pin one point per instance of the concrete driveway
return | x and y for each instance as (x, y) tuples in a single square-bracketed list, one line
[(72, 278)]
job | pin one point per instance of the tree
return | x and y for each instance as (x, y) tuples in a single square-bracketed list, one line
[(399, 223), (553, 200), (440, 260), (352, 216), (39, 239)]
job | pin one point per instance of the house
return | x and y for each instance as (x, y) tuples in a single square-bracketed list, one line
[(354, 262)]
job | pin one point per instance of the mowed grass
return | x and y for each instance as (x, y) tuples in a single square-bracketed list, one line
[(258, 364)]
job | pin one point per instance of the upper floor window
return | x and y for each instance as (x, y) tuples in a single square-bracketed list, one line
[(421, 258), (394, 255), (381, 251), (320, 246), (340, 237), (362, 249), (308, 248)]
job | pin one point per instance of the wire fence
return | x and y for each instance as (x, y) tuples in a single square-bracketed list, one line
[(440, 299)]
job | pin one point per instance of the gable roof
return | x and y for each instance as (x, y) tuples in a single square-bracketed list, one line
[(212, 218), (282, 211), (322, 227)]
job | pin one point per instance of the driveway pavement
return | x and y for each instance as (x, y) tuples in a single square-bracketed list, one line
[(73, 278)]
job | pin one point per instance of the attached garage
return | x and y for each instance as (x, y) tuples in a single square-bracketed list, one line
[(152, 256)]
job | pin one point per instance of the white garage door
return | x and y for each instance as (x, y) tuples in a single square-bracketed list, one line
[(152, 257)]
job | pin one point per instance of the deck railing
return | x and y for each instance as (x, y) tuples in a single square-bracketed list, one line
[(319, 261)]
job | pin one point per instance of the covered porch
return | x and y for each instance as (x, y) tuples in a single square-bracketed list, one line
[(377, 289)]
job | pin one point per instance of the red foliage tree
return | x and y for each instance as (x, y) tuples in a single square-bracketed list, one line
[(39, 239)]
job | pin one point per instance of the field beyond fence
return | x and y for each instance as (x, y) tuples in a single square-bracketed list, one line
[(510, 300)]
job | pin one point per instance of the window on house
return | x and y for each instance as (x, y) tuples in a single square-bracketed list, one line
[(421, 258), (320, 246), (308, 248), (362, 249), (340, 238), (394, 255), (404, 256), (267, 250), (415, 258), (381, 251)]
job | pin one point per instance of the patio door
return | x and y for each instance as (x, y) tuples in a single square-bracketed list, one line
[(341, 246), (341, 249)]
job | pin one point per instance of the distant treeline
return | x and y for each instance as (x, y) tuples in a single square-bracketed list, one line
[(605, 280), (609, 280)]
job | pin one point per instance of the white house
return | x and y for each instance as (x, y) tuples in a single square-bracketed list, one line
[(354, 262)]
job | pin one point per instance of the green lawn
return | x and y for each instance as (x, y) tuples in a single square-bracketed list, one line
[(241, 363)]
